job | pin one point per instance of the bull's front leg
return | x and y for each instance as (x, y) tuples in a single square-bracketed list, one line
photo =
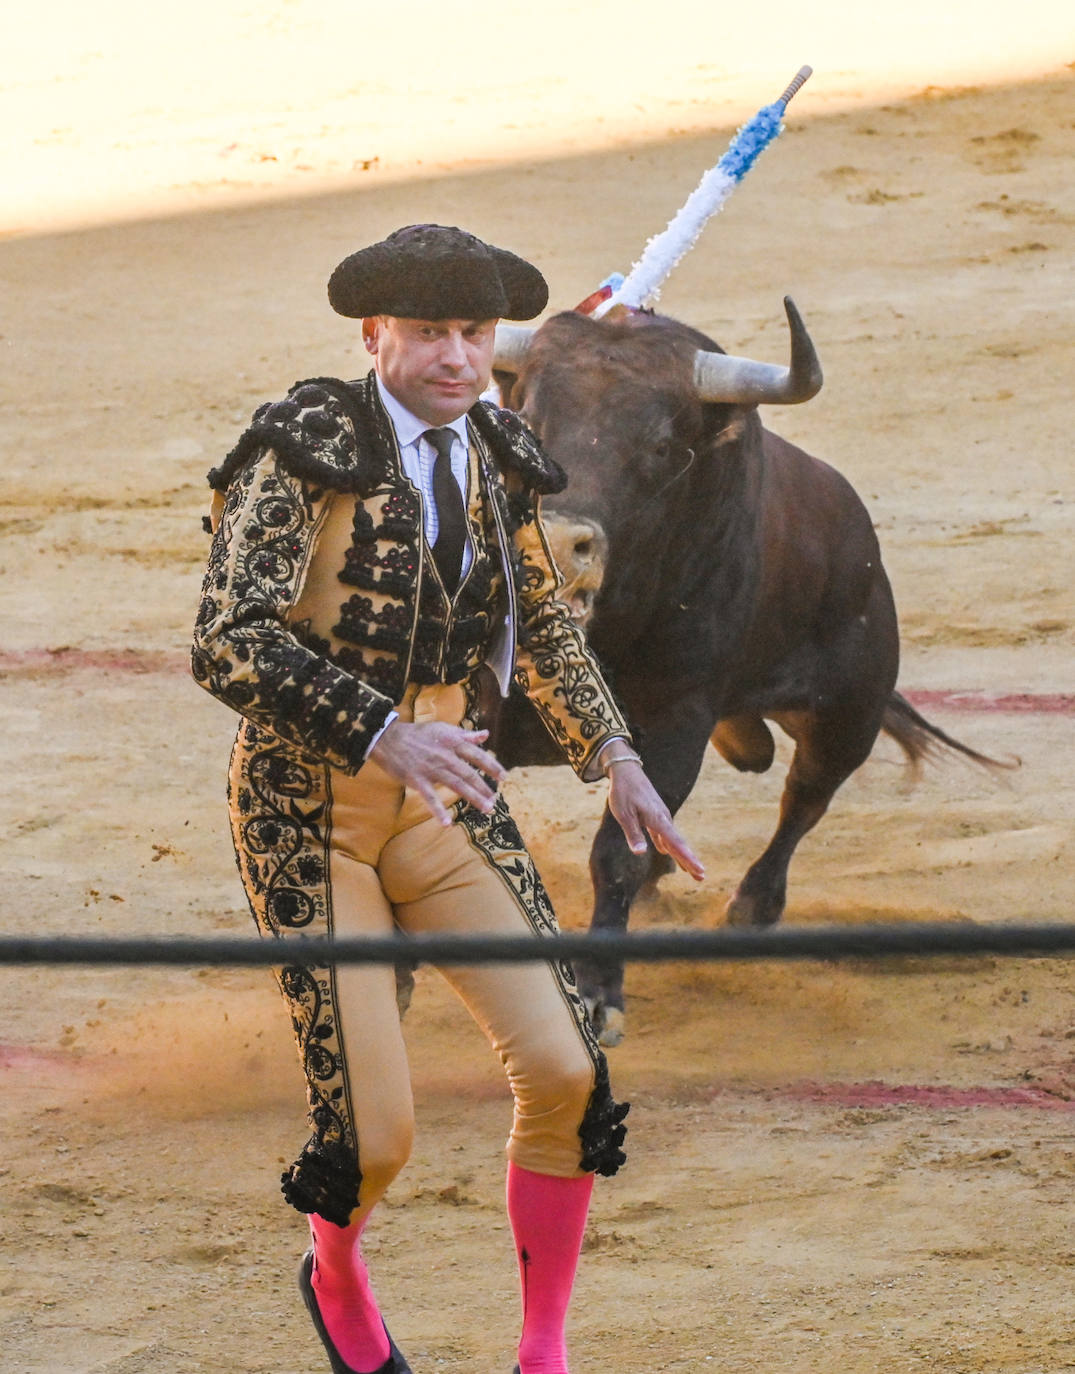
[(617, 876), (672, 750)]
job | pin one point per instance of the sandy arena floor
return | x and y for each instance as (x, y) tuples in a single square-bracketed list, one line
[(860, 1169)]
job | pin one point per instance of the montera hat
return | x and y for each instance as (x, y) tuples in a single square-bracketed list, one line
[(435, 272)]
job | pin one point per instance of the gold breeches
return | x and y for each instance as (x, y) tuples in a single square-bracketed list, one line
[(325, 854)]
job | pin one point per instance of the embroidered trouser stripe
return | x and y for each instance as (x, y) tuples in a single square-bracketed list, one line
[(325, 853)]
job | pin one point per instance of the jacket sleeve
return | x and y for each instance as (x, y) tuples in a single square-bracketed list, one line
[(246, 652), (554, 665)]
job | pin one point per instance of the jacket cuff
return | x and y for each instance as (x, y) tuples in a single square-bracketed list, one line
[(375, 721)]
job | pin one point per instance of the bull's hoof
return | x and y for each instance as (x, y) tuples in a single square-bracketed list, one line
[(614, 1028), (747, 911), (609, 1023), (660, 867)]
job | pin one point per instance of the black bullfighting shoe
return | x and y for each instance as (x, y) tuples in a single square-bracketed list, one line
[(395, 1364)]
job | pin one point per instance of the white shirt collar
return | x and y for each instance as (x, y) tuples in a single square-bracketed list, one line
[(409, 429)]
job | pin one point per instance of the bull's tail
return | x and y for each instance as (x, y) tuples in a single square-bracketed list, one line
[(923, 742)]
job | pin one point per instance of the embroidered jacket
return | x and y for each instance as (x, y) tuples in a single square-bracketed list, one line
[(321, 600)]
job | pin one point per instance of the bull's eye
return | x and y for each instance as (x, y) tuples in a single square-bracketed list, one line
[(662, 449), (584, 548)]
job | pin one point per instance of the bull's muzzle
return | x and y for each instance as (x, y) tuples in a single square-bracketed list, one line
[(580, 550)]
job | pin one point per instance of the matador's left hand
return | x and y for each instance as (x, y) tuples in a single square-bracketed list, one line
[(635, 803)]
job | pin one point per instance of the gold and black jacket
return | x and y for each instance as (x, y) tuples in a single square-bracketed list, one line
[(322, 602)]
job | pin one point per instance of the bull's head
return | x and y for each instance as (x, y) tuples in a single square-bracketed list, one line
[(647, 417)]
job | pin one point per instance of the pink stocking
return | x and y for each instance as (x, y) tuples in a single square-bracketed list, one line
[(342, 1286), (548, 1218)]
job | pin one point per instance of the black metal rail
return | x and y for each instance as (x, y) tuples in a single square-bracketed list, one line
[(822, 942)]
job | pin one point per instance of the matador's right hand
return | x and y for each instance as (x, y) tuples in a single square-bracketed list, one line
[(430, 754)]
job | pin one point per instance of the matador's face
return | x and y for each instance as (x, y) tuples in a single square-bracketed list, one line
[(436, 368)]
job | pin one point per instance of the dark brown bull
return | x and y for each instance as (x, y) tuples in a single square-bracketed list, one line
[(742, 584)]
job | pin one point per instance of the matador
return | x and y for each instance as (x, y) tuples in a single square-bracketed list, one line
[(379, 572)]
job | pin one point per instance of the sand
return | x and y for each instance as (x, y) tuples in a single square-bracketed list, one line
[(833, 1167)]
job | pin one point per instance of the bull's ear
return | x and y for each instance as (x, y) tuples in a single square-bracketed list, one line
[(511, 346), (721, 377)]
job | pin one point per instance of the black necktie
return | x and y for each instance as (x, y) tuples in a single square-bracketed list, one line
[(451, 517)]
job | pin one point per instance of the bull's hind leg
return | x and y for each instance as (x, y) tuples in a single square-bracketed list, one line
[(672, 750), (827, 752)]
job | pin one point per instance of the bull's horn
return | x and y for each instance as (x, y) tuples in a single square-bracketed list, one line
[(743, 382), (512, 342)]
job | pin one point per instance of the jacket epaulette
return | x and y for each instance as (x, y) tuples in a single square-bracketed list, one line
[(517, 448), (316, 431)]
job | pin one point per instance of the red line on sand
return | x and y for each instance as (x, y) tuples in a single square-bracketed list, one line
[(1040, 703), (31, 1057), (917, 1095), (68, 659), (871, 1094)]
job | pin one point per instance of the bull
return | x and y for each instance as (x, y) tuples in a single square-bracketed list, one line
[(727, 580)]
